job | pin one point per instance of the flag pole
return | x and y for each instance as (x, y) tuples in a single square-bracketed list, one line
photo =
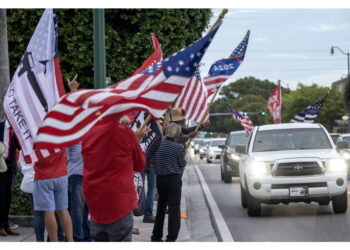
[(217, 22), (217, 91)]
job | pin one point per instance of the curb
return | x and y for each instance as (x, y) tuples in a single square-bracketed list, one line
[(21, 220), (222, 232)]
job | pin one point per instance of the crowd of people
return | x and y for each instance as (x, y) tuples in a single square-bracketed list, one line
[(86, 192)]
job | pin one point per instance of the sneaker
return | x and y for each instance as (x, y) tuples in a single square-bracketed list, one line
[(149, 219), (13, 225)]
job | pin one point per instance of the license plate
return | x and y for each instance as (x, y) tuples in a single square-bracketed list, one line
[(298, 191)]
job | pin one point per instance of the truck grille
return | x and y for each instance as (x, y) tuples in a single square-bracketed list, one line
[(298, 169), (314, 184)]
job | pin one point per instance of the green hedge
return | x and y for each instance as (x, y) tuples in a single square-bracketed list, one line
[(20, 204), (128, 41)]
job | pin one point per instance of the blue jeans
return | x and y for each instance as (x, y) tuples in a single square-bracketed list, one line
[(151, 188), (39, 224), (78, 209)]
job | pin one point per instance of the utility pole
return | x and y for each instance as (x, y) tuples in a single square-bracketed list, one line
[(99, 48), (4, 60)]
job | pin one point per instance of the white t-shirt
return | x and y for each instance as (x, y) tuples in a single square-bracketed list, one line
[(28, 172)]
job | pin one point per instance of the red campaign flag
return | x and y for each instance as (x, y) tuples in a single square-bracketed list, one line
[(274, 104), (156, 44), (36, 86), (156, 56), (152, 90)]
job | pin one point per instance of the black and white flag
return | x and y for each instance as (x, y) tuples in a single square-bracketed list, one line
[(310, 113)]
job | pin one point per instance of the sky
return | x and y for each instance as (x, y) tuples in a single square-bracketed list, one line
[(290, 44), (290, 40)]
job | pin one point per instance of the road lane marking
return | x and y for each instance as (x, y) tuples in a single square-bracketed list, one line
[(218, 219)]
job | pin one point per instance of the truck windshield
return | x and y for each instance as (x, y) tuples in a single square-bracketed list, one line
[(291, 139)]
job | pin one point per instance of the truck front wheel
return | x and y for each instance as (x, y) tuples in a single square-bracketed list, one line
[(340, 203), (243, 197), (253, 205)]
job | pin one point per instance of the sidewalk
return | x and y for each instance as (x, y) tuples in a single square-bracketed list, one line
[(196, 228)]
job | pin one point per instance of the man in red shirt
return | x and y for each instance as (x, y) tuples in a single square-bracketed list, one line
[(111, 153)]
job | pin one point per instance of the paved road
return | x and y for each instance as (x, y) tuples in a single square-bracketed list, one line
[(294, 222)]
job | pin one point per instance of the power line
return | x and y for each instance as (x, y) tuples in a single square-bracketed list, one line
[(275, 69), (252, 59), (295, 59), (276, 50)]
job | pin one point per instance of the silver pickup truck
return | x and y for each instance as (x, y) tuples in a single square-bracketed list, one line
[(292, 162)]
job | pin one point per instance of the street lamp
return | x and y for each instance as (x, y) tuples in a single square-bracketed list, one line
[(348, 88)]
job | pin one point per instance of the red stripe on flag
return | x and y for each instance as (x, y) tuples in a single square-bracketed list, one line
[(58, 75)]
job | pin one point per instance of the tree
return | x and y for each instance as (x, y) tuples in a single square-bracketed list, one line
[(249, 85), (248, 94), (297, 101), (128, 41)]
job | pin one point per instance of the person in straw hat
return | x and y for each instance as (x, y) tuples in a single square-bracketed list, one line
[(177, 115)]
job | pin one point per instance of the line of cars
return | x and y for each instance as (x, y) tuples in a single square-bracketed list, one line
[(283, 163), (208, 148)]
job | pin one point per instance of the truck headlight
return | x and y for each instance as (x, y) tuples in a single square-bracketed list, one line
[(346, 156), (336, 165), (260, 168), (233, 157)]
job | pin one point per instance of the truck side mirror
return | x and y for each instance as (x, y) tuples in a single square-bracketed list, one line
[(241, 149), (342, 145)]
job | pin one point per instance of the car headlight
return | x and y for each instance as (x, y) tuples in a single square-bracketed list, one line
[(211, 152), (346, 155), (233, 157), (336, 165), (260, 168)]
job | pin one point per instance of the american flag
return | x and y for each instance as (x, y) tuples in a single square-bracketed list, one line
[(274, 104), (152, 90), (193, 99), (243, 119), (156, 57), (36, 86), (222, 69), (310, 113)]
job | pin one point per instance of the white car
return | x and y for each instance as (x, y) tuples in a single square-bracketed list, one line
[(196, 146), (335, 136), (214, 152), (203, 148), (292, 162), (346, 152)]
